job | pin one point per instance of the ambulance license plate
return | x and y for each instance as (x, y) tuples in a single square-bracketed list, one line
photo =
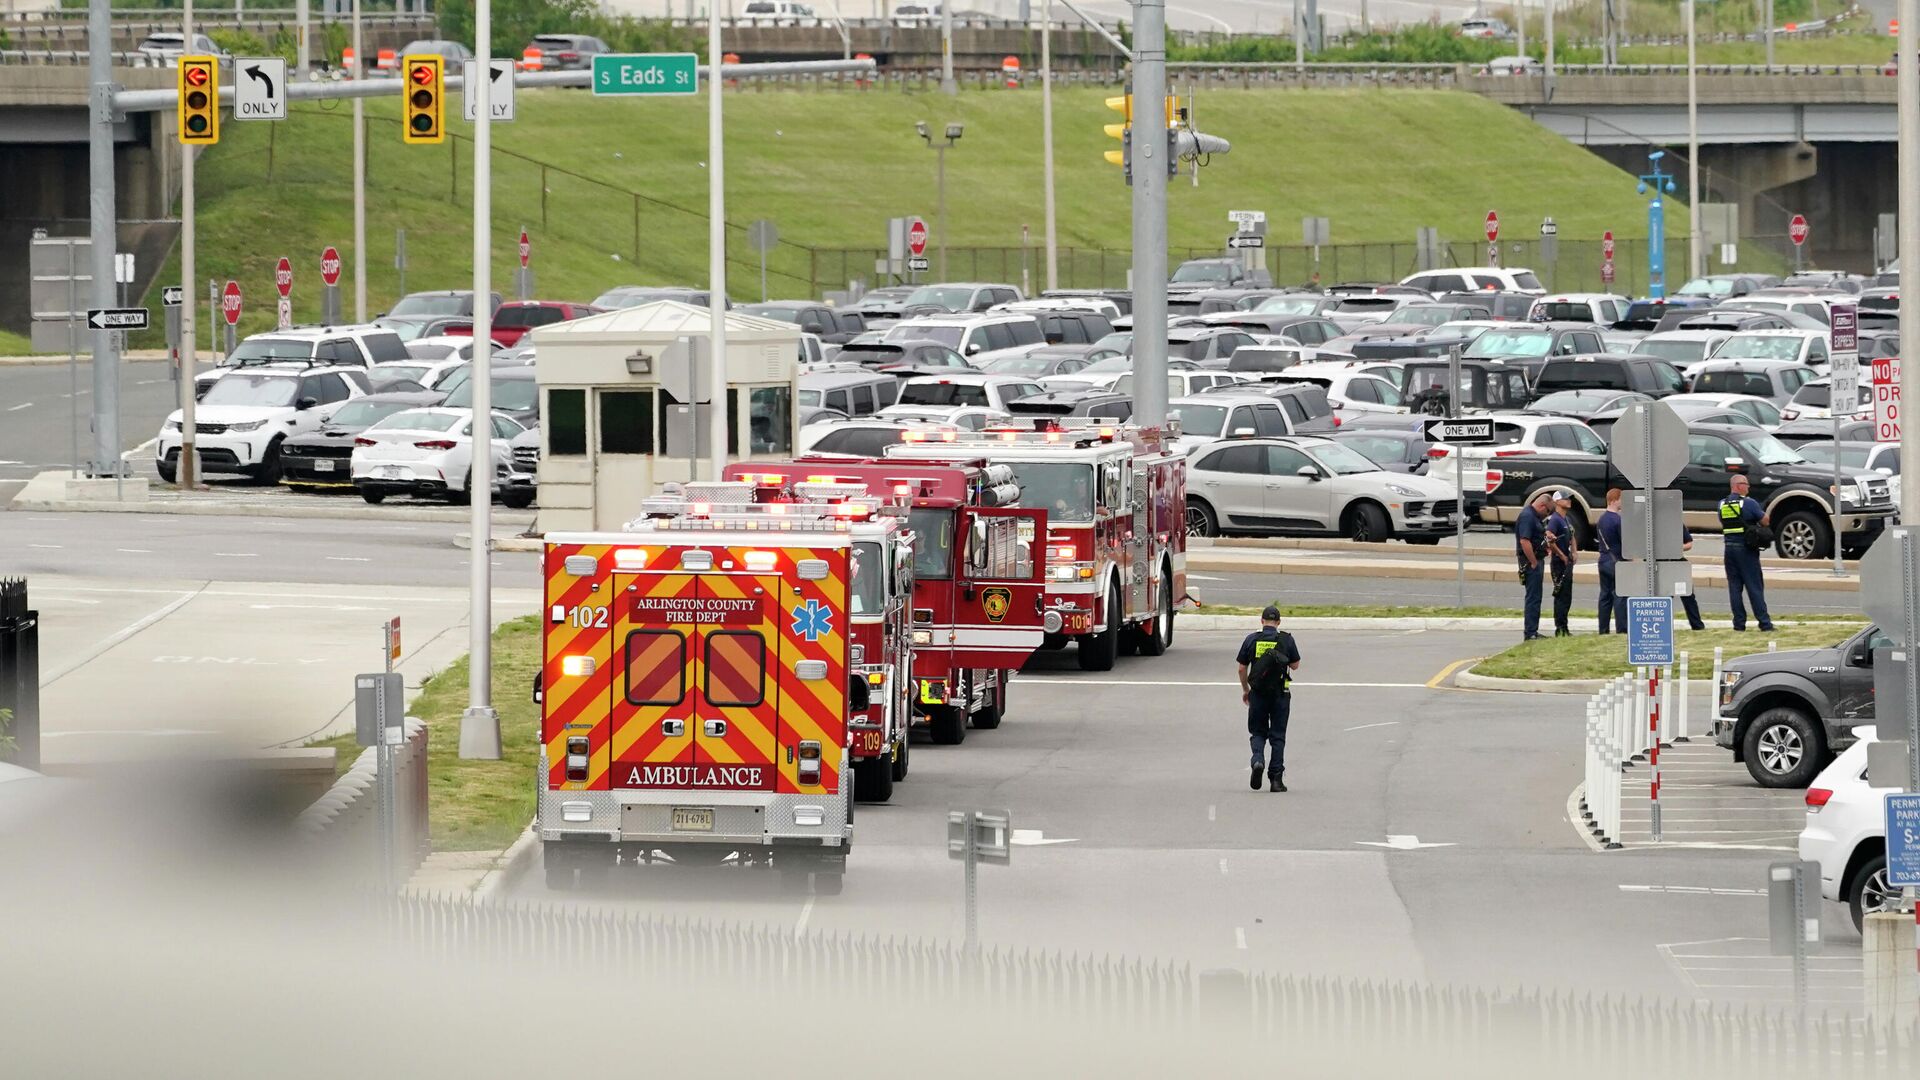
[(691, 819)]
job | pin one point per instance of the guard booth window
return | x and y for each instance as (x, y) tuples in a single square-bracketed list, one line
[(771, 419), (626, 421), (656, 667), (736, 664), (566, 423)]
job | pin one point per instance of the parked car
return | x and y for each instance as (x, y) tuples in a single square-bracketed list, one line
[(1218, 273), (169, 46), (907, 356), (1799, 434), (1845, 831), (626, 296), (1814, 401), (1485, 385), (1226, 414), (1629, 371), (1311, 486), (1606, 309), (567, 52), (1858, 456), (1180, 382), (1645, 314), (811, 317), (1434, 313), (513, 319), (428, 453), (962, 296), (1502, 306), (1088, 402), (1052, 360), (1786, 714), (867, 438), (1476, 279), (857, 392), (522, 484), (453, 52), (1726, 286), (1348, 389), (1761, 411), (514, 394), (982, 339), (322, 458), (970, 388), (1775, 380), (1529, 341), (1681, 348), (248, 412), (439, 302), (958, 417)]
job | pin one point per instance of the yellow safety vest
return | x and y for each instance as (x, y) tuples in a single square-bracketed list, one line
[(1731, 521)]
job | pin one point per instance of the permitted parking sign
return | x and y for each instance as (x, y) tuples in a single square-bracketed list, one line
[(1903, 840), (1649, 631)]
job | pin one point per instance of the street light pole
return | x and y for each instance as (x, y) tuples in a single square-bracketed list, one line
[(1696, 248), (1662, 184), (940, 212), (480, 724), (1150, 174), (1907, 81), (356, 72), (947, 85)]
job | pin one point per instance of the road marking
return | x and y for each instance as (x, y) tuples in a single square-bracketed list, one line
[(125, 632), (1202, 577), (140, 451), (1383, 723), (22, 405), (1223, 868), (235, 555), (346, 558), (806, 912), (134, 551), (1692, 890), (1035, 838), (1212, 813), (1447, 672), (1402, 843), (47, 547), (1240, 937)]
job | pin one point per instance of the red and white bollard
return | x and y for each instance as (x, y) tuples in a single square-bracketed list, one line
[(1653, 745)]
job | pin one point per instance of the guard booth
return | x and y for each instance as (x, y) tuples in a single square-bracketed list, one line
[(623, 405)]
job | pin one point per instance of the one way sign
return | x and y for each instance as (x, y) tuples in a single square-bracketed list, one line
[(1460, 432), (117, 318), (501, 100)]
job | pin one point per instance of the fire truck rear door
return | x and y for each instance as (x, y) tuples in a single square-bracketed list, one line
[(738, 710), (654, 653), (1002, 573)]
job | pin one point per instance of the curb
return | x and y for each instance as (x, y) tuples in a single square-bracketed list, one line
[(513, 864), (1467, 680), (1703, 576), (1202, 622)]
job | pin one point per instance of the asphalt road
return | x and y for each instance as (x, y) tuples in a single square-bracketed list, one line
[(36, 402), (1425, 835)]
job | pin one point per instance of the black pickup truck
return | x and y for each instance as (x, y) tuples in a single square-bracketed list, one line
[(1793, 490)]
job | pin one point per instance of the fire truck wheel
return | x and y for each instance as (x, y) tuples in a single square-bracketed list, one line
[(899, 767), (989, 715), (1158, 634), (1098, 651), (873, 779), (1201, 520), (948, 724)]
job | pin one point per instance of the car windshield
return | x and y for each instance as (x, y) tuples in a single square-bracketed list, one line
[(431, 304), (1853, 455), (1760, 347), (950, 336), (1419, 316), (1023, 365), (1199, 419), (419, 420), (1064, 490), (943, 393), (262, 350), (1673, 350), (390, 372), (1289, 305), (366, 413), (869, 582), (1344, 460), (274, 391), (932, 542), (1707, 287), (810, 397), (1770, 451), (940, 296), (1510, 343), (509, 395), (1570, 401), (1526, 280), (1203, 272)]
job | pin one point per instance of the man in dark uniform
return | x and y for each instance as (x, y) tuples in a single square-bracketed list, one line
[(1739, 513), (1529, 542), (1612, 606), (1689, 601), (1267, 661), (1562, 550)]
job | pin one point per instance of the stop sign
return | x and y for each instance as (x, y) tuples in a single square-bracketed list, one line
[(917, 237), (230, 303), (1493, 226), (330, 267), (526, 249), (283, 277), (1606, 245), (1797, 230)]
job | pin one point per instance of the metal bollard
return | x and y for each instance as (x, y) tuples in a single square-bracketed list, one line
[(1680, 729), (1666, 705), (1642, 706)]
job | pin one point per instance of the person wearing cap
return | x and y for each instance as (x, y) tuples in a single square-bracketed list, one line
[(1563, 550), (1268, 658), (1529, 542)]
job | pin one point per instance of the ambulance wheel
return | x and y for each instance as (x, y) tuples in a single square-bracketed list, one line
[(1155, 636), (898, 768), (873, 779), (989, 715), (948, 724), (1098, 651)]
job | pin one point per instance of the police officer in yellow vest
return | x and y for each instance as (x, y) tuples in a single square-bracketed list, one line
[(1739, 516)]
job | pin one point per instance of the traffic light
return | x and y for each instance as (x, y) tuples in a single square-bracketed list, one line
[(1122, 157), (199, 85), (426, 94)]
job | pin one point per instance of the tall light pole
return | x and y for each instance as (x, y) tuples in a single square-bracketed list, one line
[(480, 724), (1046, 139), (953, 133), (1150, 169), (1907, 80), (717, 419), (1696, 249), (356, 72), (1662, 185), (947, 85)]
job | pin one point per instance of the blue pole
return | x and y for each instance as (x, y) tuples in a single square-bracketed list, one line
[(1656, 247)]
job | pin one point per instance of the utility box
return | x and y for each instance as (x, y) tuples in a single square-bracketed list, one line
[(624, 405)]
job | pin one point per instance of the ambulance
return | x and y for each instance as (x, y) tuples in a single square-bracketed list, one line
[(978, 577), (1116, 542), (697, 680)]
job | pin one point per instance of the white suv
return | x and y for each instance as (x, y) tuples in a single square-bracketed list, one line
[(982, 339), (964, 388), (1473, 279), (355, 346), (1846, 832), (241, 420)]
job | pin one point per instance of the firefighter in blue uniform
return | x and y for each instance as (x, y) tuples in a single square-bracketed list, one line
[(1740, 515)]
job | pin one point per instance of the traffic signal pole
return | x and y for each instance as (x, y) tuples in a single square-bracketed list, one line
[(480, 724), (356, 72), (103, 228), (185, 471), (1150, 213)]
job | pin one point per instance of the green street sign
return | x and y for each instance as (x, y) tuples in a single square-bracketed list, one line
[(646, 73)]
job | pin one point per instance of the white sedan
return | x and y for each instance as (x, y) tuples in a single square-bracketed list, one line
[(1845, 831), (1303, 486), (429, 453)]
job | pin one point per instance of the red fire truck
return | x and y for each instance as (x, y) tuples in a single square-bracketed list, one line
[(696, 683), (1116, 541), (976, 617)]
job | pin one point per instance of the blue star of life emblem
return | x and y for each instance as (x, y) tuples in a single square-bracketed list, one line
[(812, 620)]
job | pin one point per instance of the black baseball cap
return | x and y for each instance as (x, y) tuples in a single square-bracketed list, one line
[(1271, 614)]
